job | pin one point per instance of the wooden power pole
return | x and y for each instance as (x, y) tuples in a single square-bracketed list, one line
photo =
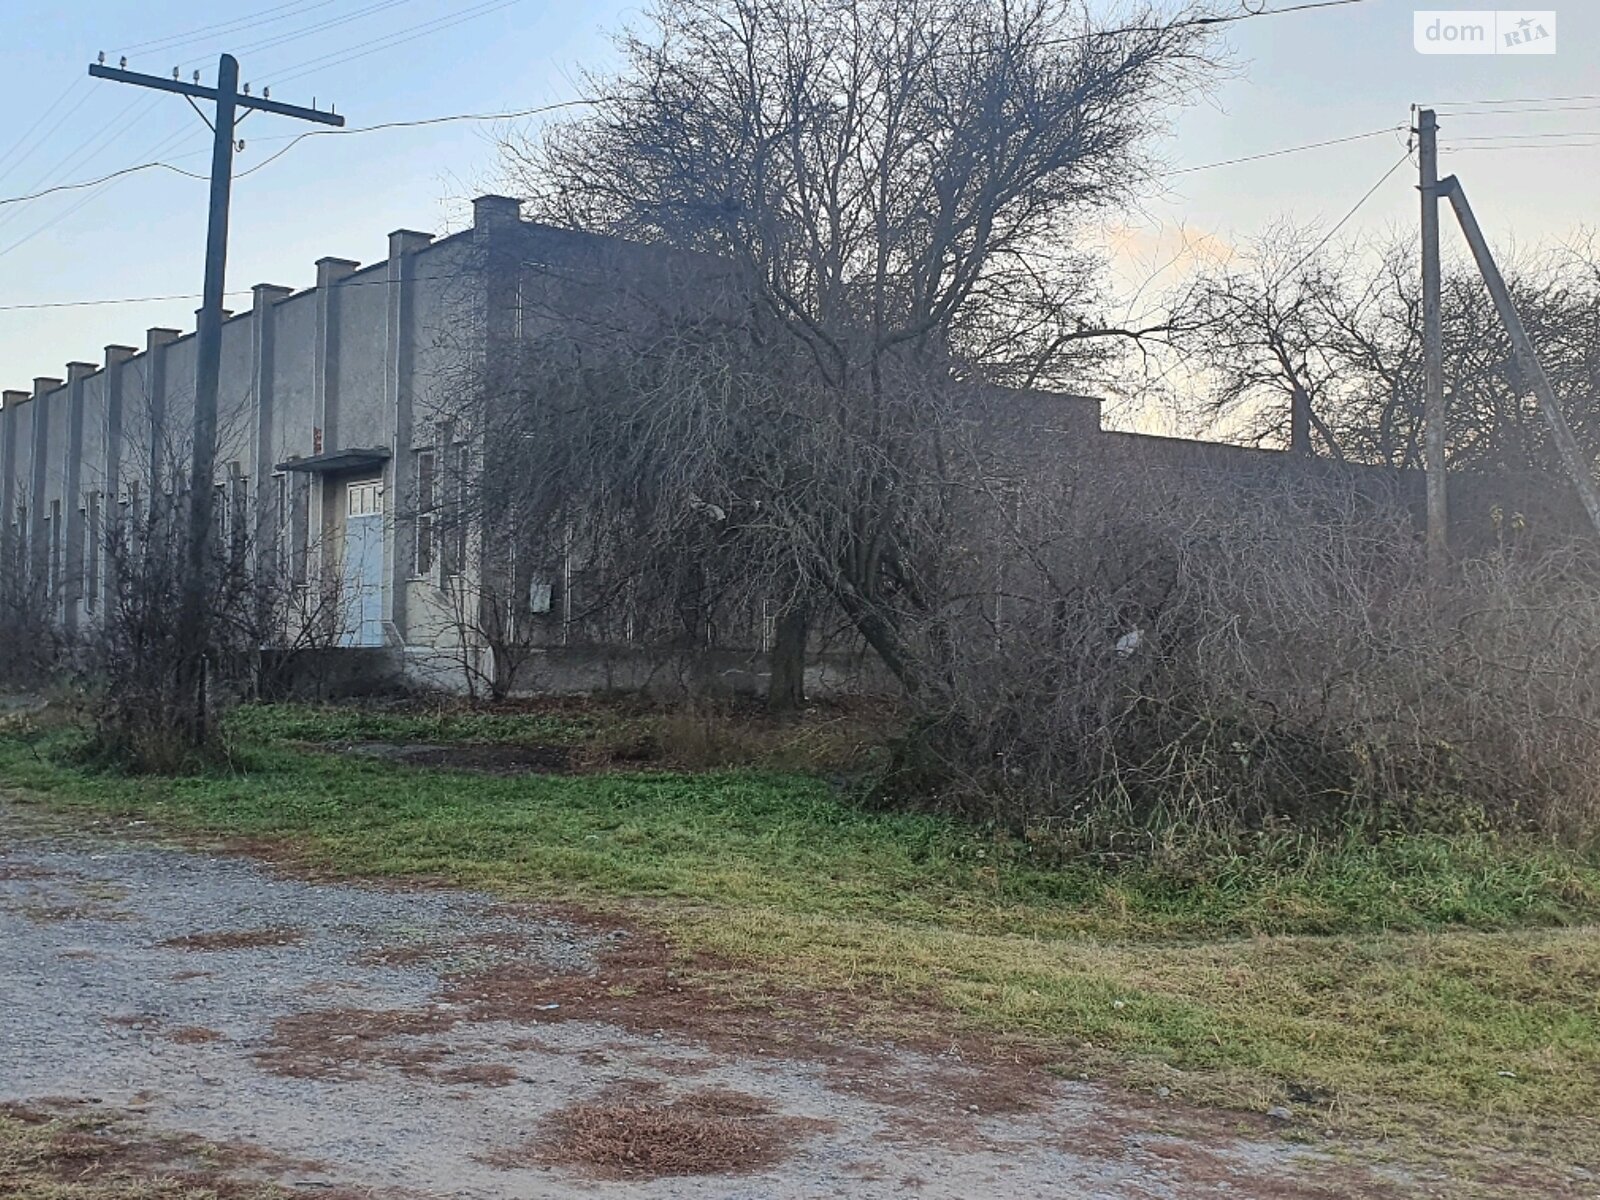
[(1579, 468), (1433, 418), (208, 348)]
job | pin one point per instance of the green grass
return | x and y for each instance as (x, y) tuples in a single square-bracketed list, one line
[(330, 724), (1412, 982)]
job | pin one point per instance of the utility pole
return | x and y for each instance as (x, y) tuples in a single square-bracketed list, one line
[(208, 348), (1432, 349), (1579, 468)]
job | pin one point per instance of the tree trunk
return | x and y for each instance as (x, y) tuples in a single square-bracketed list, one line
[(786, 686)]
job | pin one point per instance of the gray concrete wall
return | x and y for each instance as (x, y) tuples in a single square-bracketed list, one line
[(363, 360)]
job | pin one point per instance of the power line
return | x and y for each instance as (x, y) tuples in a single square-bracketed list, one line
[(297, 138), (389, 41), (1524, 146), (1326, 238), (532, 112), (1518, 112), (502, 116), (233, 26), (1355, 208), (1228, 162), (44, 116), (45, 136), (116, 300), (1499, 137), (160, 145), (276, 40), (345, 283), (1270, 12), (89, 183), (1517, 100), (1218, 19)]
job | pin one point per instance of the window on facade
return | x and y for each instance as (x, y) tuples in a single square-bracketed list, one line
[(238, 514), (427, 501), (364, 499), (53, 567), (280, 523), (300, 530), (220, 513), (92, 537), (454, 555)]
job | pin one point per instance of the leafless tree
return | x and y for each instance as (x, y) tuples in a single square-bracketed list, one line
[(1334, 334), (888, 194)]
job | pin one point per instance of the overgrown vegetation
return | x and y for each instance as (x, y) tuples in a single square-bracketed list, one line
[(1196, 660)]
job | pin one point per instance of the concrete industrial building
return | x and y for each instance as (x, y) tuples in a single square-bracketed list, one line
[(324, 423), (336, 443)]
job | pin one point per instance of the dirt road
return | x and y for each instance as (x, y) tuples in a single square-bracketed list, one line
[(439, 1043)]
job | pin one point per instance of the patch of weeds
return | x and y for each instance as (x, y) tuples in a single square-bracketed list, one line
[(634, 1136), (73, 1154)]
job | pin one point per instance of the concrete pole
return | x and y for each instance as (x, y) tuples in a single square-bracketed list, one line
[(1579, 468), (1433, 415)]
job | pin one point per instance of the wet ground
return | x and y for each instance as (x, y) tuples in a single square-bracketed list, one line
[(440, 1043)]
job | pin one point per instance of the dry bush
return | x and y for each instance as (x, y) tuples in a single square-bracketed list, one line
[(1200, 658), (707, 1132), (132, 660)]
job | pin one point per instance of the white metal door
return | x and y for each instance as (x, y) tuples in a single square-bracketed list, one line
[(361, 578)]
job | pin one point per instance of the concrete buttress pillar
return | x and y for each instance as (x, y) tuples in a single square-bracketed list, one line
[(399, 411), (71, 565)]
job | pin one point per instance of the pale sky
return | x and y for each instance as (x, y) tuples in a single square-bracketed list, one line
[(1301, 77)]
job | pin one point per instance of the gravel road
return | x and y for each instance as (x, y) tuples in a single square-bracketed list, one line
[(339, 1028)]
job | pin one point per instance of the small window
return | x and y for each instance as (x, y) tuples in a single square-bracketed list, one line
[(427, 500), (364, 499), (53, 578), (280, 522), (92, 552), (455, 542), (300, 529), (238, 514)]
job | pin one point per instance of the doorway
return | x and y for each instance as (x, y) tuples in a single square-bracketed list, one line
[(361, 564)]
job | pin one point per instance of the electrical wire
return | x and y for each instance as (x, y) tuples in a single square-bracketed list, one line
[(115, 300), (44, 138), (1355, 208), (1522, 146), (283, 39), (389, 41), (1326, 238), (1519, 112), (89, 183), (346, 283), (161, 145), (1500, 137), (43, 117), (1338, 141), (1219, 19), (295, 139), (1516, 100), (234, 26), (501, 116)]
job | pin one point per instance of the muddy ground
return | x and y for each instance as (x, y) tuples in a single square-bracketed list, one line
[(442, 1044)]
